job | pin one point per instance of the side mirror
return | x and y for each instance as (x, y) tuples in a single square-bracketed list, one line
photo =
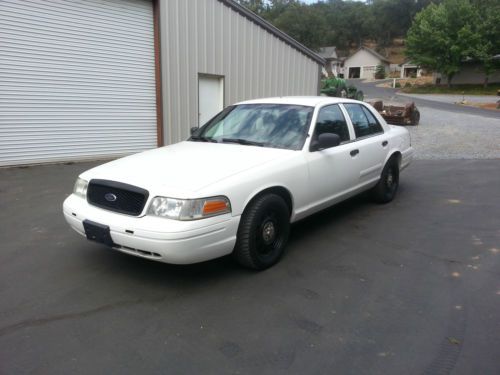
[(194, 130), (324, 141)]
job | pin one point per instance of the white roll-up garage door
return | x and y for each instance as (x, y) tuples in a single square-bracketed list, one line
[(77, 79)]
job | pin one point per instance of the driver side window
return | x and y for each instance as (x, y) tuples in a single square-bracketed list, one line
[(331, 120)]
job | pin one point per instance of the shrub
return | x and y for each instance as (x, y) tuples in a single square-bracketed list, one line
[(380, 72)]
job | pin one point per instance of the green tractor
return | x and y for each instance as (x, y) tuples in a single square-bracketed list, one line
[(337, 87)]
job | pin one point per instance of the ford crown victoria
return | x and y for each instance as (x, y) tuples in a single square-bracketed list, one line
[(236, 185)]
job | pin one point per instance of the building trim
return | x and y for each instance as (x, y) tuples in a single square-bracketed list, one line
[(158, 77), (273, 30)]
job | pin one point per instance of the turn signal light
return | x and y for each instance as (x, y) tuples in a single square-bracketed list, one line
[(215, 207)]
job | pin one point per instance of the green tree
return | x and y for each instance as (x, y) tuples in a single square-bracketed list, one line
[(343, 23), (489, 11), (443, 36), (380, 72), (303, 23), (256, 6), (394, 17)]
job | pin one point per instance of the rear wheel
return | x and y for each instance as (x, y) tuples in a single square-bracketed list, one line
[(415, 117), (386, 188), (263, 232)]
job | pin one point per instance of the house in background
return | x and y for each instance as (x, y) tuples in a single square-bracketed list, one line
[(410, 70), (333, 63), (363, 63), (471, 72), (91, 79)]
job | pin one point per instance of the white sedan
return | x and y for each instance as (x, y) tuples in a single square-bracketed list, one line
[(238, 182)]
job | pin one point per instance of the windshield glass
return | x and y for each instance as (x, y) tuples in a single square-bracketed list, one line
[(268, 125)]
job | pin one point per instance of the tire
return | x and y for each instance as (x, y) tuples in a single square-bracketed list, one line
[(359, 95), (415, 117), (263, 232), (387, 186)]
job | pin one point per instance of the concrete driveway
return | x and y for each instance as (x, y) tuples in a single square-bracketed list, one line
[(407, 288)]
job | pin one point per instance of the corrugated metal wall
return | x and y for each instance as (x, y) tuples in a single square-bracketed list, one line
[(206, 36), (77, 79)]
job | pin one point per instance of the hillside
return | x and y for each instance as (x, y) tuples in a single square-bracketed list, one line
[(394, 52)]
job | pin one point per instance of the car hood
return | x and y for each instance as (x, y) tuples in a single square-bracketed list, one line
[(185, 167)]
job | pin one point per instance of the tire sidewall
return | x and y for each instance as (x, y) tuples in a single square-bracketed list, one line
[(381, 193), (390, 192)]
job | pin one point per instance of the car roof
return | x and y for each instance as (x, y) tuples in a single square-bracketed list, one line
[(311, 101)]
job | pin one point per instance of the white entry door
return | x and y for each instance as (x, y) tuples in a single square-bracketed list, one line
[(210, 97)]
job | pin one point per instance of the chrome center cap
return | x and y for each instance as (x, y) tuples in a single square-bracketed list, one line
[(268, 232)]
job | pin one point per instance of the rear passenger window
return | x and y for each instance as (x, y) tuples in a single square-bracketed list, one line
[(331, 120), (364, 122), (375, 127)]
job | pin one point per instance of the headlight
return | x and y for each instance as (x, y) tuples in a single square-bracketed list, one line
[(189, 209), (80, 188)]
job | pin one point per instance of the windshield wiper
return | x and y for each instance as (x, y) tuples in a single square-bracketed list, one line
[(241, 141), (202, 139)]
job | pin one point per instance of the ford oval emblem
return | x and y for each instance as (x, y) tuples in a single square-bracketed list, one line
[(110, 197)]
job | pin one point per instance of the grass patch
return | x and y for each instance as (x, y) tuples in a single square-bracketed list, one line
[(492, 89)]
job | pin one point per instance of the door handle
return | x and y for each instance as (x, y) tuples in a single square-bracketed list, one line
[(385, 143), (354, 152)]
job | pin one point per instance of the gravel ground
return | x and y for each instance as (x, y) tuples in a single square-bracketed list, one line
[(444, 98), (448, 135), (446, 130)]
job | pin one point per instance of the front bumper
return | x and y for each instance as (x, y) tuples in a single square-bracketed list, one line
[(156, 238)]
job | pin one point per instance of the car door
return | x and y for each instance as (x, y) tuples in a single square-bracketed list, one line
[(331, 173), (370, 146)]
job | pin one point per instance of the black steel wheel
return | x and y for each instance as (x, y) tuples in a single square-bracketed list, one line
[(263, 232), (359, 95), (387, 186), (415, 117)]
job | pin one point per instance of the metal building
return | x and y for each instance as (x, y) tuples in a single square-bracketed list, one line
[(86, 79)]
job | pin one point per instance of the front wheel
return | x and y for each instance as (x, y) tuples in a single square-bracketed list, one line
[(387, 186), (263, 232)]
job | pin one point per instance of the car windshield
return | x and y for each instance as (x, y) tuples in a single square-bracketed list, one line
[(268, 125)]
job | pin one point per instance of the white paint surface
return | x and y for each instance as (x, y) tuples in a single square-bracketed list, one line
[(314, 179)]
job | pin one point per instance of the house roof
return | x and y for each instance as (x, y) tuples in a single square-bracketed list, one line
[(328, 52), (273, 30), (408, 62), (369, 50)]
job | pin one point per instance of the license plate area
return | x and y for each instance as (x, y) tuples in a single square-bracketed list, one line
[(97, 232)]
